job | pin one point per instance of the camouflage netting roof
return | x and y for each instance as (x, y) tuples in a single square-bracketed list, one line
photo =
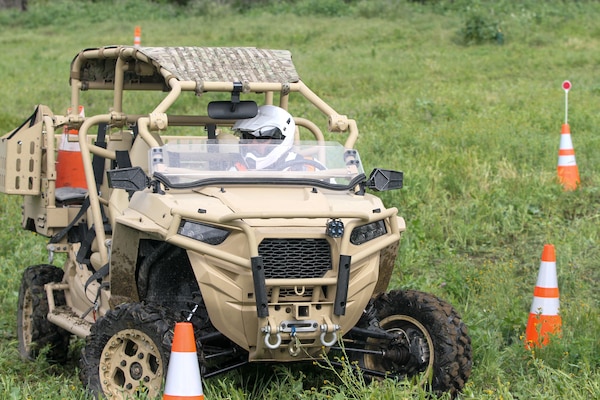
[(225, 64)]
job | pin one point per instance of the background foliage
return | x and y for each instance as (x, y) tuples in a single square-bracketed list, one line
[(464, 96)]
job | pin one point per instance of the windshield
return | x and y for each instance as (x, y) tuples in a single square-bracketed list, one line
[(199, 163)]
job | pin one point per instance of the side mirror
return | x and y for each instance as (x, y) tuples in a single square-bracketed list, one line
[(384, 179), (232, 110), (131, 179)]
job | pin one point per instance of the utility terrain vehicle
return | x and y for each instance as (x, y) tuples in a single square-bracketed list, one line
[(280, 264)]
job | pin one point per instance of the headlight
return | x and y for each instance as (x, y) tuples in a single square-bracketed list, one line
[(365, 233), (202, 232), (335, 228)]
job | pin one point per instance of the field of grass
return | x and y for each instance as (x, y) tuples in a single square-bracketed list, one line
[(464, 97)]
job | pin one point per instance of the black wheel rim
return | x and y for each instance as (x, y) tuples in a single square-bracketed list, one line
[(410, 330)]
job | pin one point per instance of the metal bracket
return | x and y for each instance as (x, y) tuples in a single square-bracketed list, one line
[(235, 95), (341, 292), (260, 287)]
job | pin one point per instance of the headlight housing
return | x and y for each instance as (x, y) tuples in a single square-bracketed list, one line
[(202, 232), (364, 233)]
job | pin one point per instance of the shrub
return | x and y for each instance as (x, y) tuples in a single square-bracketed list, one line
[(480, 28)]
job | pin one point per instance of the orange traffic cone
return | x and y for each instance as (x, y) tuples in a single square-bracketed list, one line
[(544, 319), (137, 37), (183, 377), (69, 164), (568, 173)]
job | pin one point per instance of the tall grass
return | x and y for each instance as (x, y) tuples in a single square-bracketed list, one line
[(473, 124)]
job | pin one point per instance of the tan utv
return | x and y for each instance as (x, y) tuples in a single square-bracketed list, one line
[(212, 194)]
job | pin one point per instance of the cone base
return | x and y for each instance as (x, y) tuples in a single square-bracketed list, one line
[(569, 177), (540, 328)]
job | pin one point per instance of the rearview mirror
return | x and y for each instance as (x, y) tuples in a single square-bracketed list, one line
[(232, 110)]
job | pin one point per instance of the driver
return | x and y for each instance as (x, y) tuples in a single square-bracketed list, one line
[(271, 135)]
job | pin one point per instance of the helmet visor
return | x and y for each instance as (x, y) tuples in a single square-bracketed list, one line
[(266, 132)]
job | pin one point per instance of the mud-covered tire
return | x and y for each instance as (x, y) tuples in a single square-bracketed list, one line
[(128, 351), (34, 331), (445, 346)]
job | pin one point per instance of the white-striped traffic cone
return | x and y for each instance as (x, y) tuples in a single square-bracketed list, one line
[(544, 319), (69, 164), (137, 36), (183, 375), (568, 173)]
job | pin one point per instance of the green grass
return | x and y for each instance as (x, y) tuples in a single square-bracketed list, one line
[(475, 128)]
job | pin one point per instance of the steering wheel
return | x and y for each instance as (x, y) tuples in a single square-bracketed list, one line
[(302, 162)]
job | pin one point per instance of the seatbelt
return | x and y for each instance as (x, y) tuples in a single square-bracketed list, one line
[(123, 159), (96, 276), (98, 161), (84, 206)]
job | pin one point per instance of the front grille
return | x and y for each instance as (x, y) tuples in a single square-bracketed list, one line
[(290, 293), (295, 258)]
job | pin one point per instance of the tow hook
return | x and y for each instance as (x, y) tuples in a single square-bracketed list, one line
[(295, 345), (267, 331), (325, 330)]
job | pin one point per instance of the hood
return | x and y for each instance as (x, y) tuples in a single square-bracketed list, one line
[(270, 204)]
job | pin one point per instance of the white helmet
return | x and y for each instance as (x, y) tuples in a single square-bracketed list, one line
[(271, 122)]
